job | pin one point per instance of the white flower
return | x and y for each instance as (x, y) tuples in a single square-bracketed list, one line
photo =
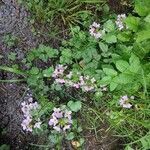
[(38, 124), (66, 127), (53, 121), (124, 102), (61, 119), (30, 99), (27, 108), (93, 80), (69, 75), (57, 128), (96, 25), (128, 105), (119, 21), (94, 30)]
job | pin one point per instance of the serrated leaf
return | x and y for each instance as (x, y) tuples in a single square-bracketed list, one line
[(143, 35), (106, 80), (110, 72), (109, 26), (142, 7), (48, 72), (132, 23), (109, 38), (122, 65), (113, 86), (103, 47), (134, 63), (34, 70), (124, 79)]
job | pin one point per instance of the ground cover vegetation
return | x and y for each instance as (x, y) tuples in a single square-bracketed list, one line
[(100, 74)]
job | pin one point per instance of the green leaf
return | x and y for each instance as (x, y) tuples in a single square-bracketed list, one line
[(4, 147), (134, 63), (109, 38), (66, 56), (34, 70), (122, 65), (48, 72), (81, 141), (143, 35), (110, 72), (51, 52), (13, 70), (70, 136), (123, 79), (132, 22), (113, 86), (124, 36), (106, 80), (147, 18), (142, 7), (145, 142), (103, 47), (74, 106), (109, 26), (128, 148)]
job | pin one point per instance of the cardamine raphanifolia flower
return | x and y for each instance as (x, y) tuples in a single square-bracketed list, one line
[(28, 122), (61, 120), (95, 30), (59, 71), (119, 22), (75, 80), (125, 101)]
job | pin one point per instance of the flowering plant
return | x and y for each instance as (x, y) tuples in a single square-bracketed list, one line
[(29, 122), (61, 119)]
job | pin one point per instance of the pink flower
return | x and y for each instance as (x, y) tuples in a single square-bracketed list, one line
[(94, 30), (119, 21), (59, 116), (27, 109), (53, 121), (60, 81), (124, 102), (76, 85)]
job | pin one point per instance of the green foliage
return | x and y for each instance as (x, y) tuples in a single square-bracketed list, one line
[(142, 7), (118, 61), (145, 142), (4, 147), (133, 23), (74, 106), (67, 12)]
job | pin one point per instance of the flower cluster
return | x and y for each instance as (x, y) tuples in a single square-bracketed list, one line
[(27, 108), (119, 21), (61, 120), (124, 101), (73, 80), (95, 30)]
